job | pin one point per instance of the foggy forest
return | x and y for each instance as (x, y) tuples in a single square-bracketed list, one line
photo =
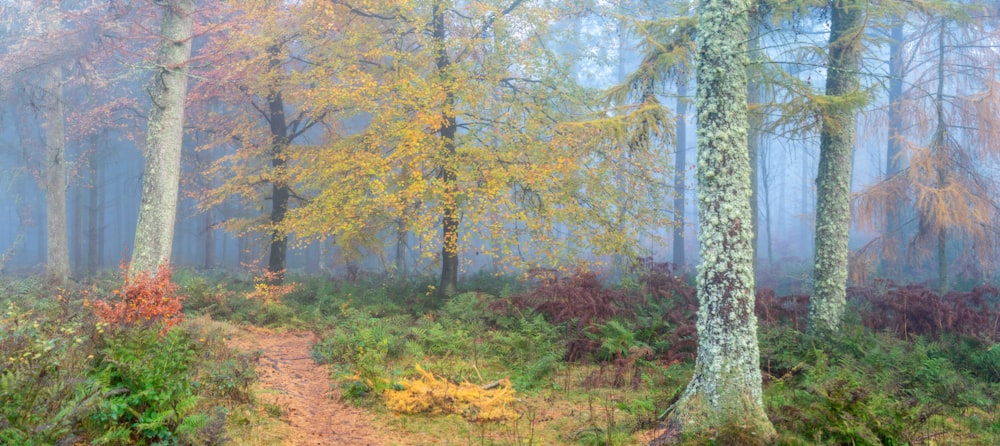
[(499, 222)]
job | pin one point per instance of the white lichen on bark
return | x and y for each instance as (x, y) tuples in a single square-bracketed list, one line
[(164, 138), (726, 386), (833, 184)]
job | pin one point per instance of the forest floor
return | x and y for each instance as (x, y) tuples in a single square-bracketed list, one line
[(291, 380)]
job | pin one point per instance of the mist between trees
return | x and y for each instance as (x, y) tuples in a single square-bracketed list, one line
[(421, 137)]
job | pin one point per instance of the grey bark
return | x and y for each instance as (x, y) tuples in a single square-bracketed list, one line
[(57, 268), (725, 389), (164, 138), (833, 185)]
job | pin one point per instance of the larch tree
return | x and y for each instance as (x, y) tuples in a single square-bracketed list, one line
[(833, 183), (948, 105), (725, 390), (164, 139)]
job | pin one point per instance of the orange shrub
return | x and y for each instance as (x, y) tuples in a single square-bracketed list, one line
[(143, 299)]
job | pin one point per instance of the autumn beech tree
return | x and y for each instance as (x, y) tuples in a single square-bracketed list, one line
[(251, 99), (468, 129), (725, 390), (833, 184), (164, 139)]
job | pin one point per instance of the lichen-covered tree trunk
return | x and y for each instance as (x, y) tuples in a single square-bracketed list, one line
[(449, 217), (725, 391), (755, 119), (833, 185), (154, 232), (680, 170)]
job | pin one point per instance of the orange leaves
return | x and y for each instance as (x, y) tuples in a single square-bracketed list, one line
[(144, 299)]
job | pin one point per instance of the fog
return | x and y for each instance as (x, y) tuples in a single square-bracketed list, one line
[(103, 55)]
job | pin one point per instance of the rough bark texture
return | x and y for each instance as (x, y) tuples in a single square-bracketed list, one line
[(680, 171), (725, 390), (754, 119), (833, 185), (449, 217), (161, 178)]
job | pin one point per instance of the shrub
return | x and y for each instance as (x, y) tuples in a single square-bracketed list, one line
[(144, 299)]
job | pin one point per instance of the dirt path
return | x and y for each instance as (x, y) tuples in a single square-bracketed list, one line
[(290, 379)]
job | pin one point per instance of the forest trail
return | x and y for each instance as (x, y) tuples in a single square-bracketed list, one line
[(290, 379)]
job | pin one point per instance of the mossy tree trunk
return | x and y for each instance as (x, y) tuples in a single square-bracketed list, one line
[(725, 391), (833, 185), (164, 138)]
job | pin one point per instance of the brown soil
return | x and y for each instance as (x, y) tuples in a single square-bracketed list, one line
[(291, 380)]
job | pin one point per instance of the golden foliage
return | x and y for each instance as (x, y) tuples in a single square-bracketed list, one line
[(430, 394)]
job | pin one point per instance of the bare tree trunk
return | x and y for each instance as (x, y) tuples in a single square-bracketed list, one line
[(833, 186), (57, 268), (725, 390), (209, 239), (680, 172), (940, 147), (154, 233), (94, 233), (893, 232)]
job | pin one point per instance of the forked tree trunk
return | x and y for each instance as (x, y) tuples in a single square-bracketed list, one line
[(833, 185), (725, 390), (154, 232)]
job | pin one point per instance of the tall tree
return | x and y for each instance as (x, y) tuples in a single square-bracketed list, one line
[(833, 184), (725, 389), (949, 110), (680, 174), (164, 139), (473, 132), (57, 269)]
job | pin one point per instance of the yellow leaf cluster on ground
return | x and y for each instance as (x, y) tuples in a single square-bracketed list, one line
[(435, 395)]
